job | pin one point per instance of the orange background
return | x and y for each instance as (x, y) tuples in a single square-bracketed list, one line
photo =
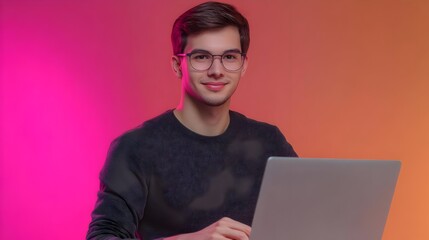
[(342, 79)]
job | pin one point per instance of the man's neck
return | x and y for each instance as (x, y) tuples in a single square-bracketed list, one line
[(203, 119)]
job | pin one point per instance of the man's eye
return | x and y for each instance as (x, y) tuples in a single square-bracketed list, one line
[(201, 56), (230, 56)]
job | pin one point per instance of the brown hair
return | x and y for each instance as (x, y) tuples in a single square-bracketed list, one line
[(209, 15)]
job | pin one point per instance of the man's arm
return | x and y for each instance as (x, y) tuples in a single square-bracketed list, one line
[(285, 148), (122, 195)]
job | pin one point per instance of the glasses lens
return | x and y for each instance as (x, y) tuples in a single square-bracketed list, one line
[(201, 61), (232, 61)]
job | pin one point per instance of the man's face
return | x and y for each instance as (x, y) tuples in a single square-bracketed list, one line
[(214, 86)]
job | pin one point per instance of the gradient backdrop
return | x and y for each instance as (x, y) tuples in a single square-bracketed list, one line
[(344, 79)]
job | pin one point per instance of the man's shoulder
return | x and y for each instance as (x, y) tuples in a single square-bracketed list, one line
[(247, 122), (149, 128), (267, 133)]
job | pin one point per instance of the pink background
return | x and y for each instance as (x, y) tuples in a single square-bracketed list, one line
[(344, 79)]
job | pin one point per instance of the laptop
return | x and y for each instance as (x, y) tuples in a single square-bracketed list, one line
[(327, 199)]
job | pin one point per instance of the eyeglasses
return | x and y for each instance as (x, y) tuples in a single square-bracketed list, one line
[(203, 60)]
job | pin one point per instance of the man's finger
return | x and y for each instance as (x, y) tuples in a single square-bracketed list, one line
[(233, 224)]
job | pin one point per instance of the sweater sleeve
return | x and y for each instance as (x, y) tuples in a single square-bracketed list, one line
[(122, 195), (286, 148)]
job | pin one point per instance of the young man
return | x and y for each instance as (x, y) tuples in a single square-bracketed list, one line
[(193, 172)]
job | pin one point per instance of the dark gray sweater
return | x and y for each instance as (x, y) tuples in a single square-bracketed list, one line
[(162, 179)]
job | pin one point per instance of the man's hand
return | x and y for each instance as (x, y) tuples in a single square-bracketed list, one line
[(225, 228)]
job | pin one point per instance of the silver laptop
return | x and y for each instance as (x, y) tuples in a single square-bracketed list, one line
[(326, 199)]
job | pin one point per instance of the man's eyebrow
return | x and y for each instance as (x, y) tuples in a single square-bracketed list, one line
[(197, 50), (235, 50)]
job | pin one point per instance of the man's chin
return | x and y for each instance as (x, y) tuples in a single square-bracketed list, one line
[(215, 102), (211, 101)]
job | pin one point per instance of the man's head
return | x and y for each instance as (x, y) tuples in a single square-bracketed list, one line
[(210, 43), (208, 16)]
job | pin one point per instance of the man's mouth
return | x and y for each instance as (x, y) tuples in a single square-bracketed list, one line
[(214, 86)]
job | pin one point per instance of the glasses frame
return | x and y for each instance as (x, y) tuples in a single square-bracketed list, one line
[(243, 58)]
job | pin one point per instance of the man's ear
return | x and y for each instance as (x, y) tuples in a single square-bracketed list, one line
[(244, 68), (176, 66)]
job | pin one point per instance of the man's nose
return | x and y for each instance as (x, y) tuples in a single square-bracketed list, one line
[(216, 68)]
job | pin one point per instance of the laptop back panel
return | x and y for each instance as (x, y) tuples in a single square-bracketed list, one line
[(324, 199)]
